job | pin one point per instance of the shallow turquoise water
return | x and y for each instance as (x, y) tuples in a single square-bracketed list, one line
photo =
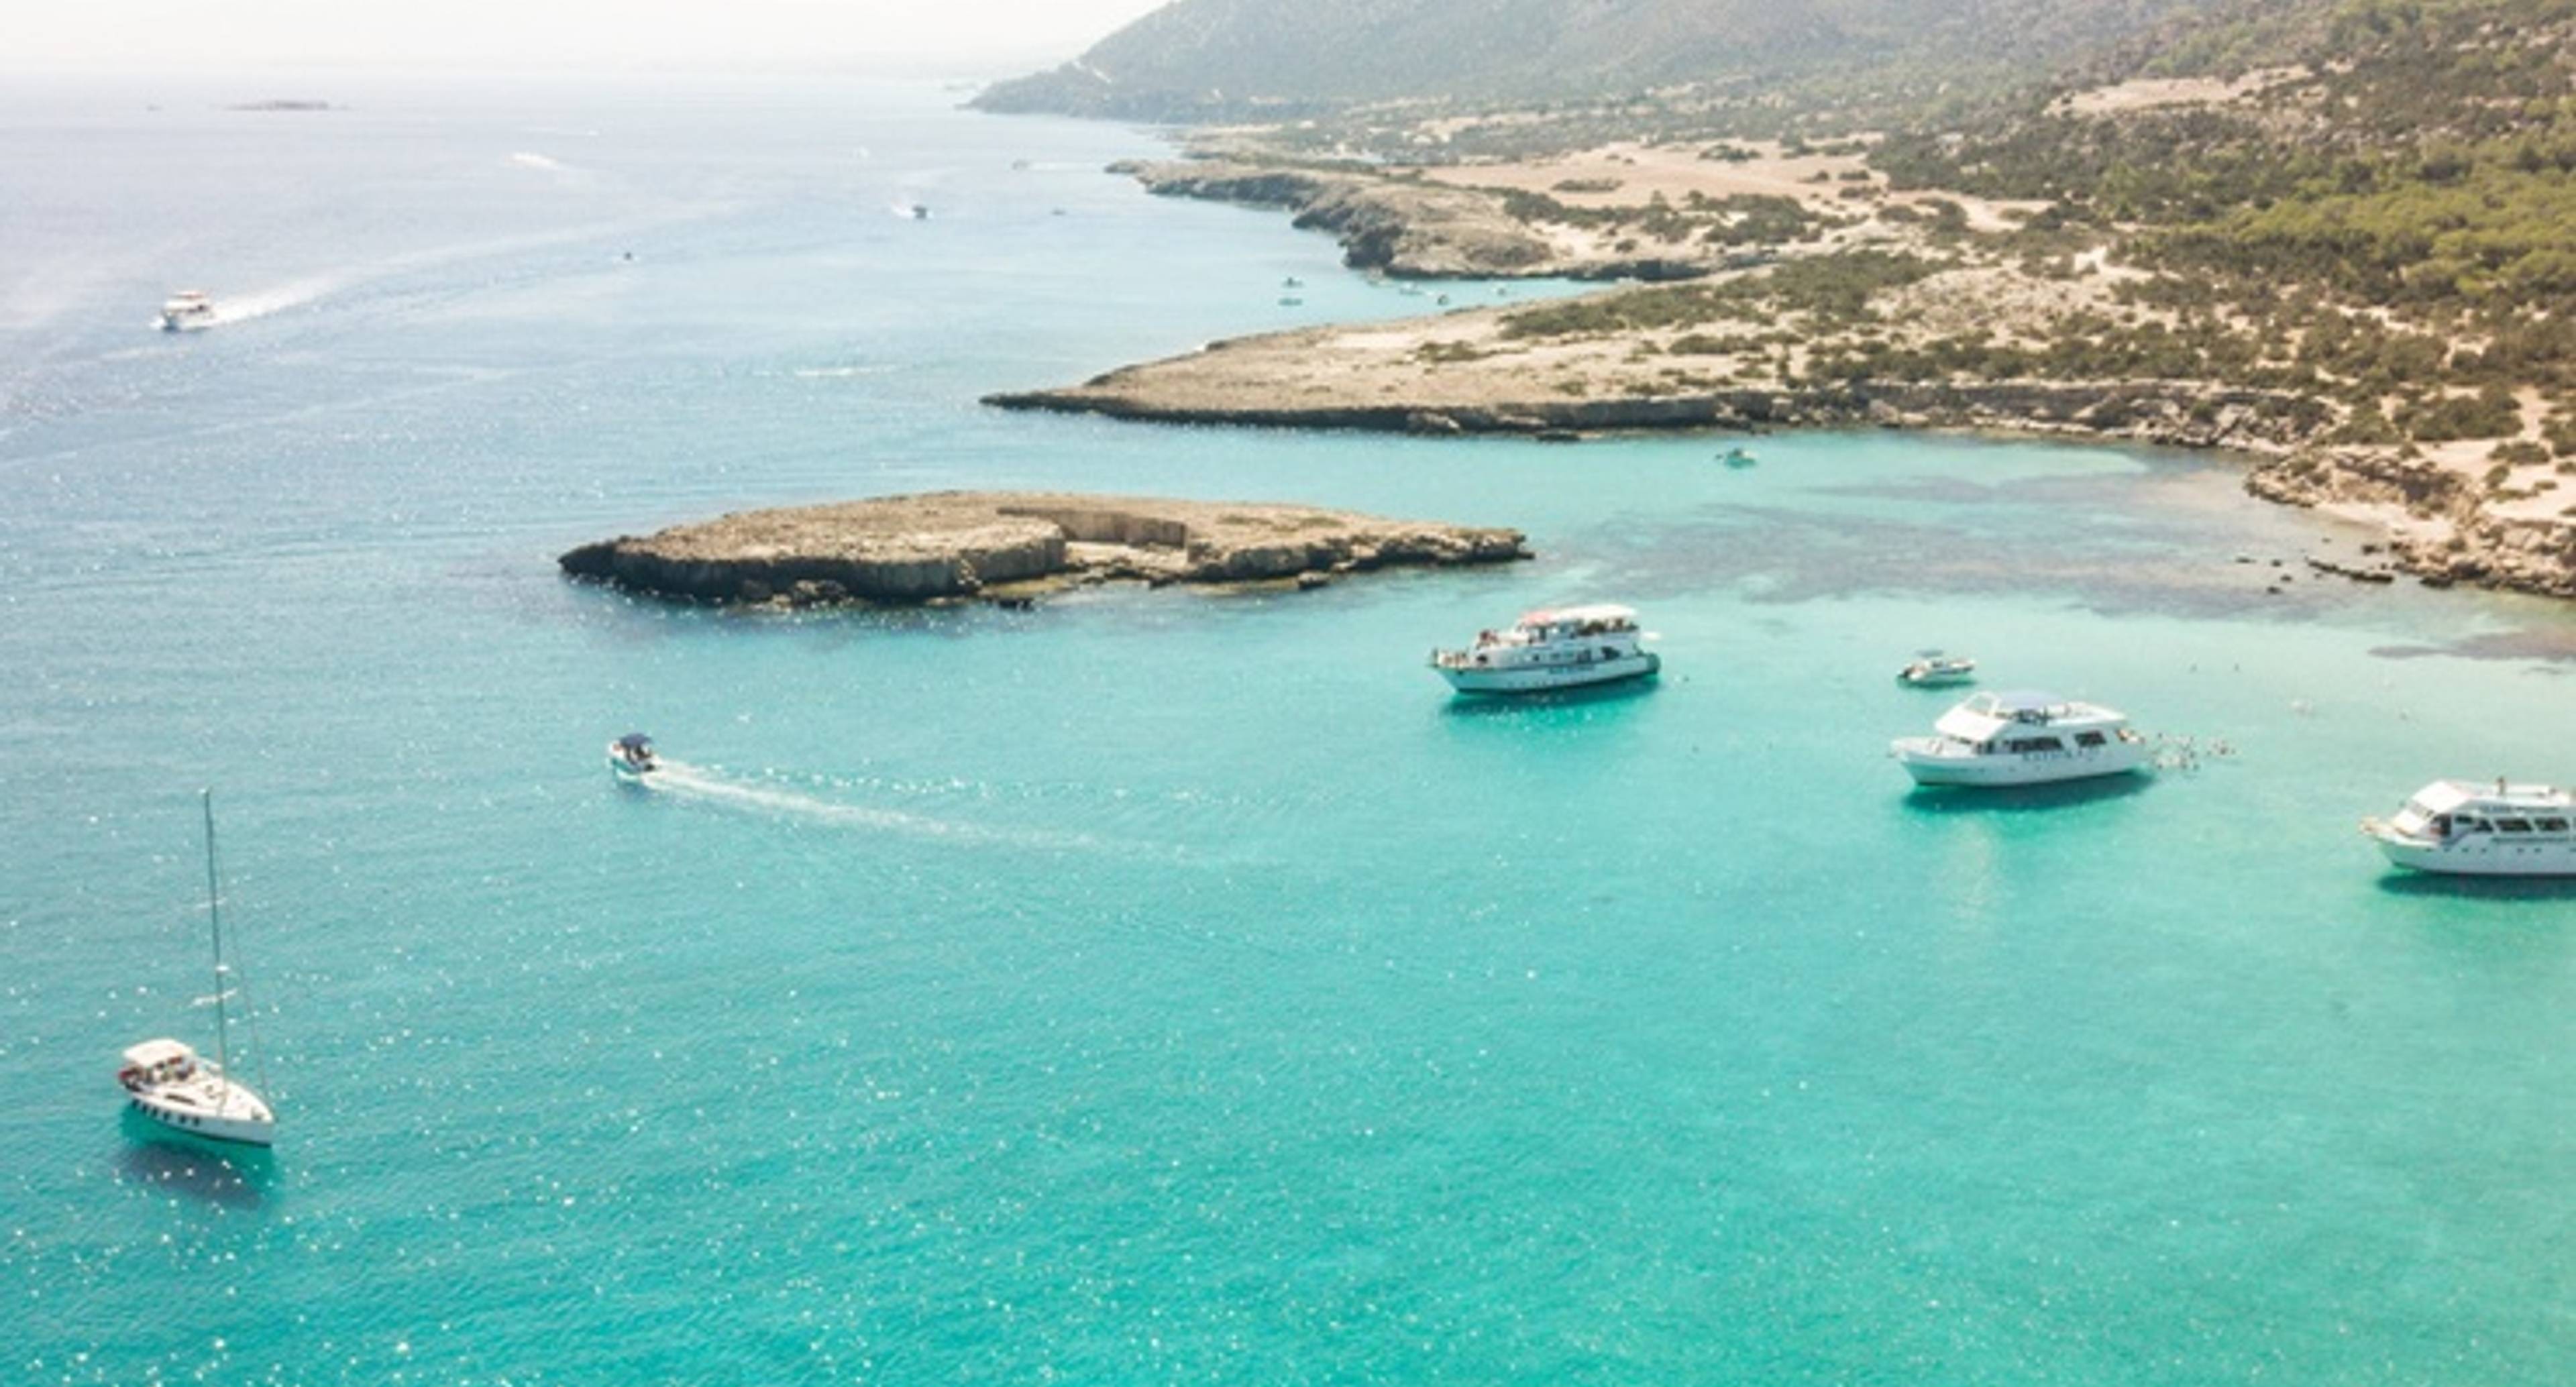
[(1160, 986)]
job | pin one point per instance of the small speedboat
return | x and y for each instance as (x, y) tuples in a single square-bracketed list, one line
[(632, 757), (1934, 670), (189, 310), (1737, 457)]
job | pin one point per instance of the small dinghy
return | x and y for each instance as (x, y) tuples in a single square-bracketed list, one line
[(632, 757), (1934, 670)]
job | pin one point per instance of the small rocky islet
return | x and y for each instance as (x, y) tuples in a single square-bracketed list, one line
[(1010, 546)]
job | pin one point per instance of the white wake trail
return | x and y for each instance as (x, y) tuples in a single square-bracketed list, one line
[(679, 778)]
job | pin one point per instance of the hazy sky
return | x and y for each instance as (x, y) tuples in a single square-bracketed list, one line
[(603, 34)]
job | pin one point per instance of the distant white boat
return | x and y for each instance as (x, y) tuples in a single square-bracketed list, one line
[(632, 757), (1931, 669), (2021, 739), (2455, 826), (189, 310), (1560, 649), (169, 1083)]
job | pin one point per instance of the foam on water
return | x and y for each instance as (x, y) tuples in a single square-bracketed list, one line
[(772, 796)]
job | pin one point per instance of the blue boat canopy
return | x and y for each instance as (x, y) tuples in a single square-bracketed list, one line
[(635, 741)]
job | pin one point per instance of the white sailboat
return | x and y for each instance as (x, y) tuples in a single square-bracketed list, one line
[(168, 1082)]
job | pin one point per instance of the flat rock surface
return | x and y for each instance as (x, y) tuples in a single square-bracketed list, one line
[(963, 544)]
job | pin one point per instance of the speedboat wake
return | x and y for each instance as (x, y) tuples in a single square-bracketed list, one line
[(682, 780)]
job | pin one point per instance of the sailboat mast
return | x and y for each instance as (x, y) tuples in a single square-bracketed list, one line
[(215, 919)]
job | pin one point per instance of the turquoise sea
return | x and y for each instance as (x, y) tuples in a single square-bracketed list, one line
[(1159, 986)]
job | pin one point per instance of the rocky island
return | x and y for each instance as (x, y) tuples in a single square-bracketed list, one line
[(1012, 545)]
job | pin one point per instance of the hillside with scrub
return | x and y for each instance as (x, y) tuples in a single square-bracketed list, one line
[(2339, 235)]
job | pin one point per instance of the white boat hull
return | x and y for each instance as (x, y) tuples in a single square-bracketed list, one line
[(1925, 759), (2477, 854), (237, 1116), (1538, 677)]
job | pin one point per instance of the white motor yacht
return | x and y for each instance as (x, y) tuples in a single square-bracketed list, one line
[(2021, 739), (187, 311), (1564, 648), (2482, 830), (167, 1082)]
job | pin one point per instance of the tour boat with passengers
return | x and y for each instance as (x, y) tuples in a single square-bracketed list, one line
[(1560, 648), (2023, 738), (2482, 830)]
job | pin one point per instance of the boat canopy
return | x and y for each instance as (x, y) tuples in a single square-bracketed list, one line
[(1599, 611), (2012, 701), (2446, 796), (635, 741), (152, 1054)]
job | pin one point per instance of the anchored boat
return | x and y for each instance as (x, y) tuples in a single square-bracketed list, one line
[(1932, 669), (169, 1083), (1564, 648), (2471, 829), (2021, 739)]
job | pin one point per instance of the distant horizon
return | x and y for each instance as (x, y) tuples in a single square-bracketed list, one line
[(925, 38)]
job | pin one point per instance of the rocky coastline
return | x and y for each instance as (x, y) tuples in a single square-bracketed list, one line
[(2439, 530), (2444, 519), (1012, 547), (1408, 229), (2164, 413)]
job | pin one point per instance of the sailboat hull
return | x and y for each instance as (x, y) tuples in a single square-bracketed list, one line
[(246, 1128)]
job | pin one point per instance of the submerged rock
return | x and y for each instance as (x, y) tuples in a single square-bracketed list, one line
[(955, 544)]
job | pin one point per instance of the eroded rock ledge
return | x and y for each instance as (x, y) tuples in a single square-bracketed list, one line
[(963, 544)]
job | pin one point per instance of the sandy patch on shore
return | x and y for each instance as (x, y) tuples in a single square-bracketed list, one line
[(1641, 172), (2151, 93)]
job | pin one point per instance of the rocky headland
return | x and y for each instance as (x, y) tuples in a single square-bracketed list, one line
[(1010, 546), (1409, 228)]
